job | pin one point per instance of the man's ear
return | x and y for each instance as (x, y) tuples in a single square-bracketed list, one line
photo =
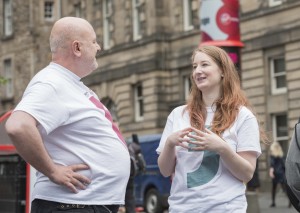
[(76, 48)]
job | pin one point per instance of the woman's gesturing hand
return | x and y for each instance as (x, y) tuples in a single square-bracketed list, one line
[(205, 140), (178, 138)]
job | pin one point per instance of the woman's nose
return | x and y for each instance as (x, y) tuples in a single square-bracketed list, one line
[(198, 69)]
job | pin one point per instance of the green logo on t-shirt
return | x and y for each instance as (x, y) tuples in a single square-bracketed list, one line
[(206, 171)]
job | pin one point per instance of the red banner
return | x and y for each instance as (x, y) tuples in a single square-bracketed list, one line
[(220, 23)]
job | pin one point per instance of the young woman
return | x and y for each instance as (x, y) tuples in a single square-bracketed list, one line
[(277, 170), (210, 146)]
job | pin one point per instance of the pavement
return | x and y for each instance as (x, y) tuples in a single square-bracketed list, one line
[(259, 202), (282, 203)]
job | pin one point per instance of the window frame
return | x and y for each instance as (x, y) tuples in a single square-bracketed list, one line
[(274, 89), (187, 15), (7, 18), (50, 19), (136, 18), (9, 77), (78, 9), (187, 84), (283, 140), (274, 3), (107, 16), (138, 102)]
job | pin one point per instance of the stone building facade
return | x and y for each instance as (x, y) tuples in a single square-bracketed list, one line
[(144, 65), (270, 31)]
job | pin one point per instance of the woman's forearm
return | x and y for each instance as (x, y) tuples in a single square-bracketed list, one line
[(241, 165), (167, 160)]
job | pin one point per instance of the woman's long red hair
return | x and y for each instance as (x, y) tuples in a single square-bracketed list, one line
[(231, 95)]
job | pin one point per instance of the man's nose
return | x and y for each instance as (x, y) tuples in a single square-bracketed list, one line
[(98, 52)]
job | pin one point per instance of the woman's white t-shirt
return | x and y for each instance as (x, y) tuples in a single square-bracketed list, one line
[(201, 182)]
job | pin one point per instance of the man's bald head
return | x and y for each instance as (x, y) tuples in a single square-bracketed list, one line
[(65, 31), (73, 44)]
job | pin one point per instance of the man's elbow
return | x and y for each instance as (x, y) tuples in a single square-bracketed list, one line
[(19, 122), (13, 129), (16, 126)]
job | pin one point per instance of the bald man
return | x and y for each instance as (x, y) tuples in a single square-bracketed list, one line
[(62, 129)]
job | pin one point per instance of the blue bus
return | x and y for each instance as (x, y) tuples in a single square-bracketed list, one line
[(151, 188)]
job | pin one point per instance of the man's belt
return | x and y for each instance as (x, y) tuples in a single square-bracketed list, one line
[(71, 206)]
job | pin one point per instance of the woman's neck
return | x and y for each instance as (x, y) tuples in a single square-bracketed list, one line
[(209, 99)]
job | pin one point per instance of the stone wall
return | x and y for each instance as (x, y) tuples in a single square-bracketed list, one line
[(161, 58)]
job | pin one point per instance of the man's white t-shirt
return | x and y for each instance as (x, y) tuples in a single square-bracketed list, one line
[(201, 182), (76, 128)]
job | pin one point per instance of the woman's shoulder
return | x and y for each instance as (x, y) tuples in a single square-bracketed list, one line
[(245, 110), (246, 113), (181, 109), (178, 111)]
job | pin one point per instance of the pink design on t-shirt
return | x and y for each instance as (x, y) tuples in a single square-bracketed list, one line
[(108, 116)]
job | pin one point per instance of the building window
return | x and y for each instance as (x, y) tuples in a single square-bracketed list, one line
[(48, 10), (8, 75), (187, 86), (138, 102), (138, 18), (273, 3), (278, 75), (112, 108), (78, 10), (107, 18), (280, 130), (7, 20), (187, 15)]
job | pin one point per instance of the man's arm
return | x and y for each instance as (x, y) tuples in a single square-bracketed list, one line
[(22, 129)]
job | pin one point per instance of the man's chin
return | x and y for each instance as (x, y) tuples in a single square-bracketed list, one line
[(90, 72), (95, 66)]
